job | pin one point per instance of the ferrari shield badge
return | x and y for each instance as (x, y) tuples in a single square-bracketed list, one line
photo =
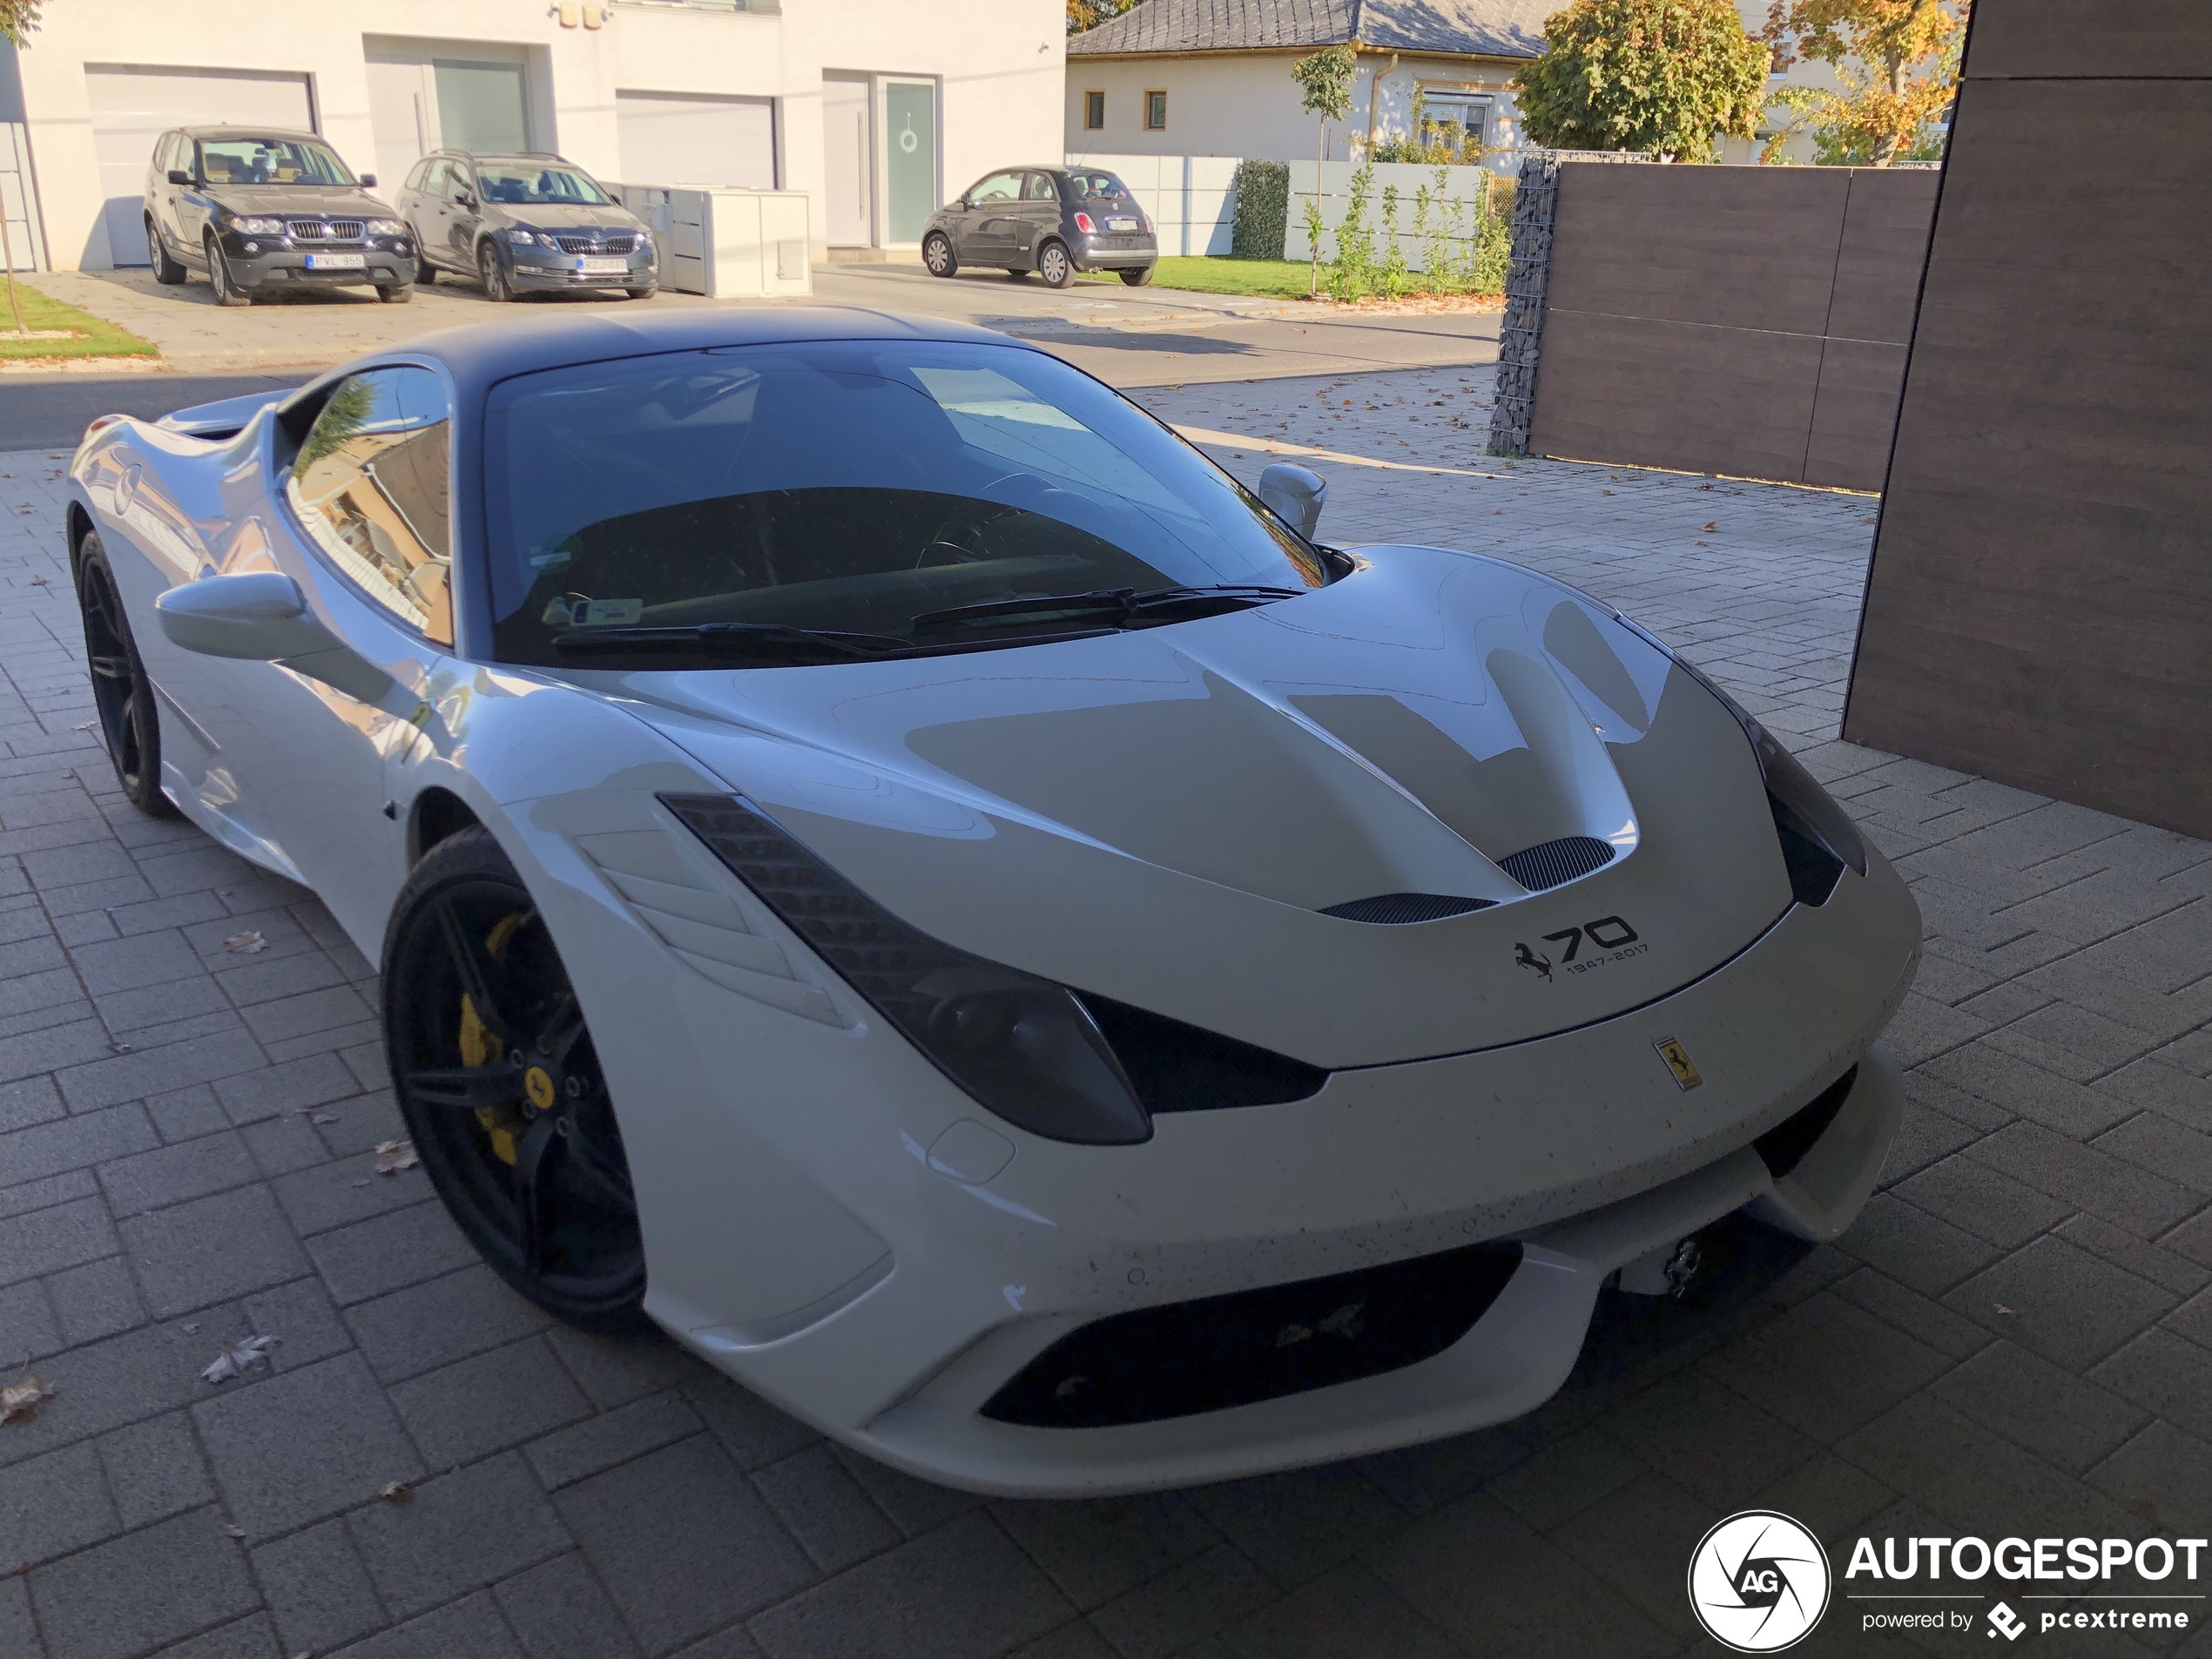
[(1679, 1062)]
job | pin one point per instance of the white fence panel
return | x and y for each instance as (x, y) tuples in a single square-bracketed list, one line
[(1455, 205), (1191, 198)]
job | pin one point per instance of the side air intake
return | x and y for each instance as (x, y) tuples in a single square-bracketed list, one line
[(1396, 908), (1555, 862)]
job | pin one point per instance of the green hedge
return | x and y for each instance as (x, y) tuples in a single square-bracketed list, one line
[(1263, 189)]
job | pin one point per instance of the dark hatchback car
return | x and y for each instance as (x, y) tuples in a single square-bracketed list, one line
[(1053, 220), (262, 210), (524, 222)]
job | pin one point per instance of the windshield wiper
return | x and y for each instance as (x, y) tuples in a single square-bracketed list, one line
[(729, 642), (1122, 606)]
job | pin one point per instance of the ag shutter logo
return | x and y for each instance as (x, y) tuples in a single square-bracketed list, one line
[(1759, 1581)]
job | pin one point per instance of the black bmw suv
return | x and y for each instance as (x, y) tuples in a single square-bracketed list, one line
[(260, 209), (1053, 220)]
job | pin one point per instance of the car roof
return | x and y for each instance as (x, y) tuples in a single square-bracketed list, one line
[(234, 132), (480, 354), (505, 155)]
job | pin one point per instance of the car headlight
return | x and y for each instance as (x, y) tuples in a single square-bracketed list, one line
[(259, 226), (520, 239), (385, 227), (1024, 1047), (1818, 839)]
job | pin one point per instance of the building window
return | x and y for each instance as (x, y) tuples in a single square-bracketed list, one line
[(1094, 111), (1155, 111), (1459, 118)]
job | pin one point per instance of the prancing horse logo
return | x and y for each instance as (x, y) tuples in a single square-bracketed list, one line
[(1529, 958)]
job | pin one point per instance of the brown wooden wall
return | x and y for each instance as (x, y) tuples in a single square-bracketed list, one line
[(2040, 609), (1749, 320)]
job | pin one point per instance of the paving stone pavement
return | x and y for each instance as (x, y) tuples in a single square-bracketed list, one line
[(2016, 1338)]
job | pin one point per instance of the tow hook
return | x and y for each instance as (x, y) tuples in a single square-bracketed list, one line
[(1670, 1270)]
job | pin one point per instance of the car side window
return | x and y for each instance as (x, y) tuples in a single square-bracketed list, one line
[(999, 187), (417, 174), (371, 484), (1039, 188), (459, 181), (164, 154)]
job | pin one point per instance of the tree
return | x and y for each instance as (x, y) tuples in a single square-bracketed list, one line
[(18, 18), (1082, 13), (1664, 76), (1324, 88), (1897, 64)]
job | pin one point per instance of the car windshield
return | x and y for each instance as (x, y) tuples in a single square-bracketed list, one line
[(850, 486), (533, 184), (271, 161), (1098, 187)]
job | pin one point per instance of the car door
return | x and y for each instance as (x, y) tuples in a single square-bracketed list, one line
[(194, 205), (1038, 216), (161, 195), (465, 210), (367, 505), (988, 226), (423, 204)]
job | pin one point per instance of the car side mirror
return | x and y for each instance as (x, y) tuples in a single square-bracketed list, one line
[(1296, 494), (368, 181), (262, 616), (178, 176), (463, 199)]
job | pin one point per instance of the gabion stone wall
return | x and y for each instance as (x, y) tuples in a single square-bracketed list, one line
[(1535, 206)]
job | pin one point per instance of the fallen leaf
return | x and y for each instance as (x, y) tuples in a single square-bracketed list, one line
[(2000, 1307), (233, 1531), (38, 582), (190, 1329), (246, 944), (1705, 486), (392, 1157), (361, 1183), (87, 726), (23, 1399), (396, 1492), (1715, 525), (323, 1117), (247, 1353)]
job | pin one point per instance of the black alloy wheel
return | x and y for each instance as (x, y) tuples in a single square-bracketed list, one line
[(1138, 276), (501, 1087), (394, 293), (493, 275), (228, 293), (1055, 266), (426, 275), (937, 254), (642, 294), (122, 696), (167, 272)]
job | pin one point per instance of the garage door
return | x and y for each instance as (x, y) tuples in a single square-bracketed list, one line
[(679, 139), (133, 106)]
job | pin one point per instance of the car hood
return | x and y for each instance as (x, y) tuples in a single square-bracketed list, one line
[(286, 199), (533, 217), (1163, 816)]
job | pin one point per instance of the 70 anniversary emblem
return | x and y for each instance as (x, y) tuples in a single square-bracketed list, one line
[(1609, 938)]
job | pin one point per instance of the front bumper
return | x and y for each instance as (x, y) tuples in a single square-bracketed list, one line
[(919, 1282), (534, 268), (275, 262)]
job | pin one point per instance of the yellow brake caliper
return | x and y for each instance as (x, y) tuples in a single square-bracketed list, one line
[(502, 1122)]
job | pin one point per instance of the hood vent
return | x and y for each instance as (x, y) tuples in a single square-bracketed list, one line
[(1556, 862), (1394, 908)]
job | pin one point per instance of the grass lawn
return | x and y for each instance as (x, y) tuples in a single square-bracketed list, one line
[(90, 337), (1277, 279), (1271, 279)]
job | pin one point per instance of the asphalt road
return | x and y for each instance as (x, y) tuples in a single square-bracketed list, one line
[(50, 412)]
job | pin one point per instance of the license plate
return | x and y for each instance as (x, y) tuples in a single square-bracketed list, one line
[(336, 261), (602, 266), (1121, 223)]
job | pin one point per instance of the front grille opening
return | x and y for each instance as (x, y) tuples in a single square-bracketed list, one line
[(1395, 909), (1237, 1350), (1178, 1068), (316, 230), (1556, 862), (1783, 1147), (588, 244)]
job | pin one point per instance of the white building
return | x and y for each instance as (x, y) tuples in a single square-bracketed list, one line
[(874, 108), (1212, 77)]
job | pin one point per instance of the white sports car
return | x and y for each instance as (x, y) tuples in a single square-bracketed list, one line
[(887, 860)]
